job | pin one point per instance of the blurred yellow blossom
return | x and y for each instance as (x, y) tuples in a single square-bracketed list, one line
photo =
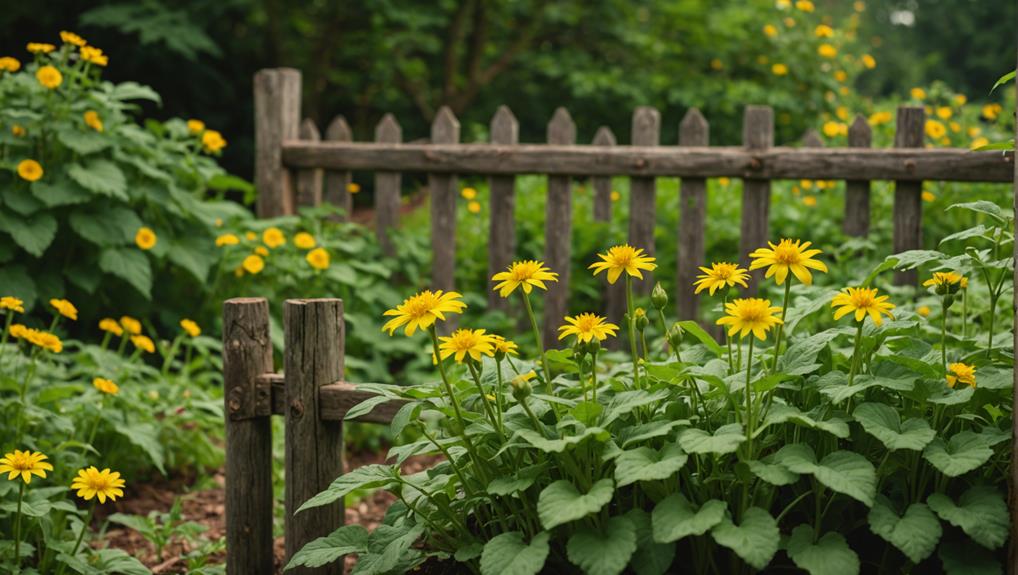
[(923, 310), (71, 38), (868, 61), (827, 51), (833, 129), (190, 327), (935, 129), (979, 143), (105, 386), (130, 324), (92, 120), (18, 130), (253, 264), (12, 303), (144, 343), (273, 237), (145, 238), (65, 308), (991, 111), (30, 170), (944, 112), (49, 77), (304, 240), (809, 201), (212, 141), (195, 126), (805, 5), (918, 93), (615, 196), (840, 75), (928, 196), (40, 47), (770, 30), (474, 207), (251, 236), (823, 31), (468, 193), (353, 187), (960, 99), (8, 64), (94, 55), (262, 251), (318, 258), (110, 325), (779, 69), (227, 240)]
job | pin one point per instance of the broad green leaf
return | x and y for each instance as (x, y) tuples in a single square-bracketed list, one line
[(509, 554), (603, 552), (834, 385), (365, 407), (904, 261), (964, 452), (367, 477), (105, 227), (561, 502), (781, 413), (755, 540), (691, 327), (34, 234), (842, 471), (800, 358), (984, 207), (40, 508), (145, 436), (559, 445), (192, 254), (980, 512), (519, 481), (915, 534), (829, 555), (409, 412), (674, 517), (883, 422), (647, 464), (1003, 80), (83, 142), (100, 176), (645, 431), (773, 473), (651, 557), (17, 200), (59, 191), (324, 550), (961, 558), (625, 402), (130, 265), (388, 549), (726, 439), (587, 411), (18, 282)]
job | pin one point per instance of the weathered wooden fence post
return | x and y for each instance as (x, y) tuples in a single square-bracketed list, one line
[(857, 192), (615, 295), (643, 193), (314, 335), (277, 118), (757, 134), (505, 130), (693, 131), (558, 230), (444, 130), (387, 185), (908, 201), (309, 181), (336, 190), (247, 354)]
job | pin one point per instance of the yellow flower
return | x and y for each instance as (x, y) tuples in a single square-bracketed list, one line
[(12, 303), (789, 21), (253, 264), (979, 143), (878, 118), (105, 386), (770, 30), (719, 276), (468, 193), (110, 325), (304, 240), (804, 5), (779, 69), (827, 51), (212, 141), (273, 237), (955, 127), (262, 251), (38, 338), (190, 327), (71, 38), (251, 236), (991, 111), (94, 55), (868, 61), (9, 64), (318, 258), (49, 77), (863, 301), (859, 5), (723, 182), (227, 240), (474, 207), (716, 64), (935, 129), (945, 282), (834, 129), (750, 315), (144, 343), (944, 112), (928, 196), (24, 463), (844, 91), (92, 120), (842, 113), (623, 258), (615, 196), (783, 4), (918, 93), (64, 308), (526, 273), (195, 126), (923, 310), (503, 345), (960, 99), (353, 188), (131, 325), (40, 47), (586, 327), (464, 342), (840, 75), (18, 130), (823, 31), (809, 201), (958, 373), (30, 170), (102, 484), (788, 256), (421, 310), (145, 238)]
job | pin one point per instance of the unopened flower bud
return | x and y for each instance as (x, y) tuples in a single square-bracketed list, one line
[(579, 350), (641, 319), (521, 385), (675, 335), (659, 297), (593, 346)]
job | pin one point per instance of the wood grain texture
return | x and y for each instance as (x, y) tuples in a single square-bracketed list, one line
[(314, 340), (505, 130), (334, 401), (335, 189), (442, 186), (387, 187), (614, 295), (908, 202), (646, 132), (277, 119), (309, 180), (247, 353), (558, 231), (757, 134), (857, 192), (693, 131)]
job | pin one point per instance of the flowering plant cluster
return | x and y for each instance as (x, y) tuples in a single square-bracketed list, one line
[(871, 442)]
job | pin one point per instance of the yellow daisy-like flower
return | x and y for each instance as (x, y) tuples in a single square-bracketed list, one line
[(40, 47), (8, 64), (102, 484), (304, 240), (526, 273), (420, 311), (615, 196), (253, 264), (353, 188), (788, 256), (92, 120), (466, 342), (105, 386), (17, 130), (262, 251), (30, 170), (24, 464), (809, 201), (779, 70), (227, 240), (145, 239), (823, 31), (190, 327), (273, 237), (991, 111), (144, 343), (503, 345), (944, 282), (12, 303), (110, 325), (979, 143), (94, 55), (468, 193), (130, 324), (958, 373), (251, 236), (827, 51), (944, 112), (49, 77), (862, 301), (918, 93), (750, 315), (72, 38), (770, 30), (195, 126), (623, 258), (318, 258), (212, 141), (586, 327), (474, 207), (805, 5), (928, 196), (935, 129), (719, 276), (64, 308), (923, 310)]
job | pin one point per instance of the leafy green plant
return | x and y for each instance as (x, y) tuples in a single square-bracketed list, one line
[(161, 528)]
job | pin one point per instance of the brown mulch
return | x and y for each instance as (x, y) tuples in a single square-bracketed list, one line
[(207, 507)]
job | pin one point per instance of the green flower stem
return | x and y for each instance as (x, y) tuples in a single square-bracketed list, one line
[(749, 400), (81, 536), (943, 333), (168, 357), (98, 418), (664, 330), (579, 370), (448, 456), (540, 342), (593, 374), (631, 313), (484, 399), (123, 343), (728, 338), (855, 354), (106, 341), (17, 526), (7, 332), (781, 326), (23, 394), (498, 395)]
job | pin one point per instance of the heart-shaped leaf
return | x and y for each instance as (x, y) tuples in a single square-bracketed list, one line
[(829, 555), (674, 517), (651, 557), (915, 534), (726, 439), (842, 471), (509, 554), (980, 512), (646, 464), (964, 452), (755, 540), (603, 552), (561, 502), (883, 422)]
